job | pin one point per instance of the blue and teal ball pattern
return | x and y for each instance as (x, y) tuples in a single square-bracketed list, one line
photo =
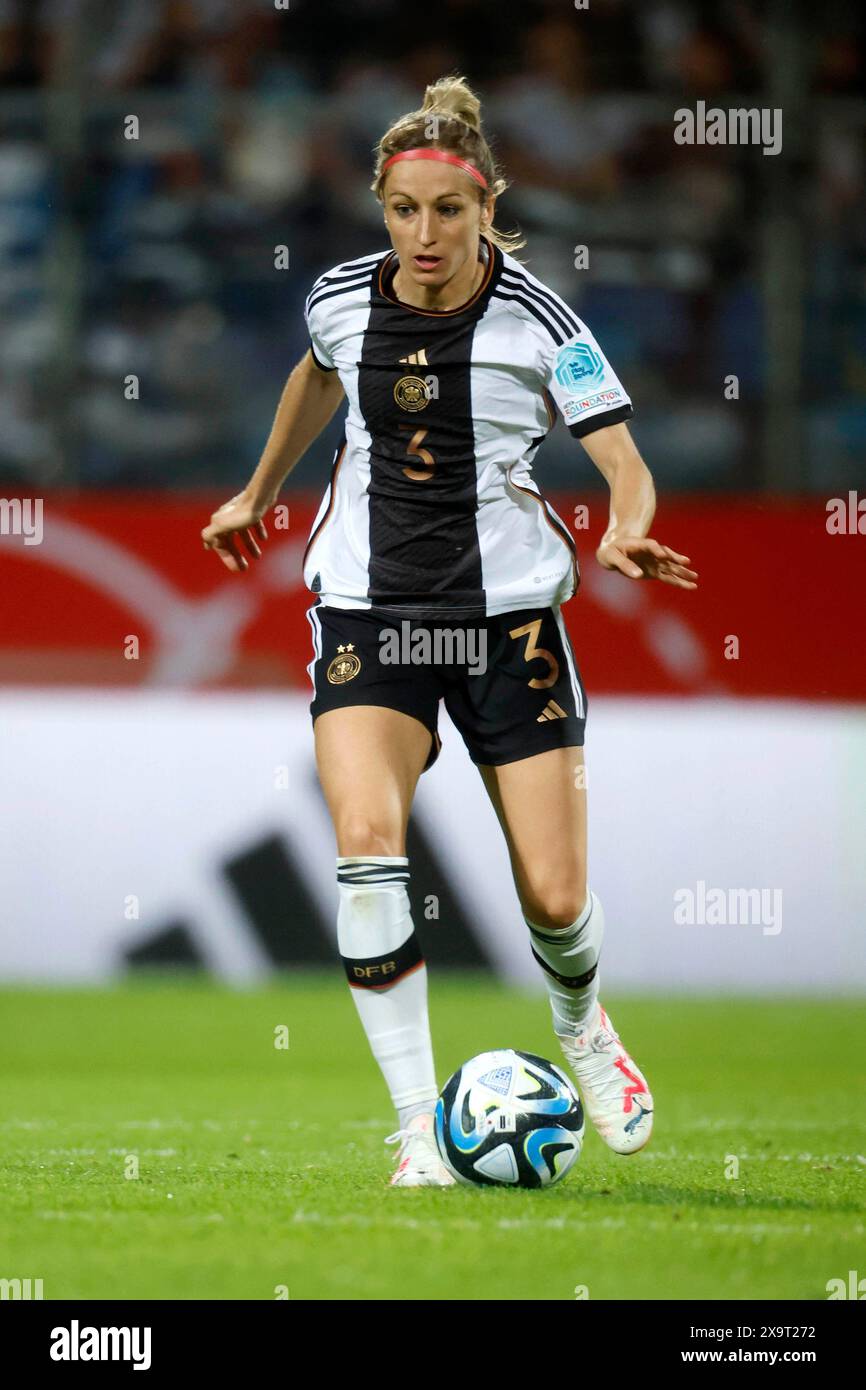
[(509, 1119)]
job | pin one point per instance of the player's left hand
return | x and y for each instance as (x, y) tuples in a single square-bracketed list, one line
[(640, 557), (237, 519)]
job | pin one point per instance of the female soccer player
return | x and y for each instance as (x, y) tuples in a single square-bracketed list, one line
[(449, 353)]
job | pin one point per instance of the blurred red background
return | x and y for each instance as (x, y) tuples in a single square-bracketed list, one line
[(111, 565)]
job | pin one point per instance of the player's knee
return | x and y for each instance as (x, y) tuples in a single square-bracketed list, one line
[(556, 908), (365, 834)]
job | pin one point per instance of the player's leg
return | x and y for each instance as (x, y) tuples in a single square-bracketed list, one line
[(522, 719), (523, 722), (544, 836), (369, 759), (541, 805)]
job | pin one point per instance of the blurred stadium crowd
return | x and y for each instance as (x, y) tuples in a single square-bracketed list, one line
[(154, 256)]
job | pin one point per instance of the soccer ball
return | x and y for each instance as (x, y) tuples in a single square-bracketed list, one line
[(510, 1119)]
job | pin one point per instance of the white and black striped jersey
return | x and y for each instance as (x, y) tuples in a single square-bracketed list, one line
[(431, 508)]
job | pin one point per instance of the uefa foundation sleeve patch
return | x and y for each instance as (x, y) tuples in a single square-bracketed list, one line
[(587, 391)]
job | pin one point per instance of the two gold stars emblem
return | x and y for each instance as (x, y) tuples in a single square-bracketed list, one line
[(345, 665)]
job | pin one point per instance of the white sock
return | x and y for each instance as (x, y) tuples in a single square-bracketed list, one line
[(383, 961), (569, 961)]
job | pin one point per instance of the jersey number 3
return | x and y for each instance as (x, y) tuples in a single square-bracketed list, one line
[(414, 450)]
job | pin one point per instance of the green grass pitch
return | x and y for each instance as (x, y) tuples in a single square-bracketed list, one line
[(261, 1168)]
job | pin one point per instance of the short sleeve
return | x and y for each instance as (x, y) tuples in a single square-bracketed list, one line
[(586, 389), (318, 348)]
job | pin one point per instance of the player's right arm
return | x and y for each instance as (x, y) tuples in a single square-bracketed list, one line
[(309, 399)]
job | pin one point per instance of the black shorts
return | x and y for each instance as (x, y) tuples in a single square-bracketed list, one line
[(510, 683)]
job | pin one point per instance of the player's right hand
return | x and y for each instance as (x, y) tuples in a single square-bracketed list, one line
[(235, 520)]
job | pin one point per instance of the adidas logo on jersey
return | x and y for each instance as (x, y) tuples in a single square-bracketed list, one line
[(415, 359), (551, 711)]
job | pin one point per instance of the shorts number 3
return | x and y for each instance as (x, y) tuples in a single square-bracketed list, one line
[(531, 630)]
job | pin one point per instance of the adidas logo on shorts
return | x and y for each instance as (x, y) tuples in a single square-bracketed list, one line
[(551, 711)]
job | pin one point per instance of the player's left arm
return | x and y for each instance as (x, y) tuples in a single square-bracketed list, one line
[(626, 544), (595, 406)]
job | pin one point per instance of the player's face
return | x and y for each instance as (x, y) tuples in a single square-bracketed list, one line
[(434, 216)]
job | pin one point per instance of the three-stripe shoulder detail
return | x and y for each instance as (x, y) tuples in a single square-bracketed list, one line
[(351, 275), (546, 307)]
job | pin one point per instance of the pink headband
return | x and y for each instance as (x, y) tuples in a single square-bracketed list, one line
[(425, 152)]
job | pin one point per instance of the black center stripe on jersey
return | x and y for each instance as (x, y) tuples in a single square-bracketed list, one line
[(424, 551)]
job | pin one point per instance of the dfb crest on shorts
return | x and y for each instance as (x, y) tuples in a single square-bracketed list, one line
[(344, 666), (578, 364)]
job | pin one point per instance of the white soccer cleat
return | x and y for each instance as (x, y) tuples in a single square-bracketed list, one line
[(614, 1091), (418, 1161)]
